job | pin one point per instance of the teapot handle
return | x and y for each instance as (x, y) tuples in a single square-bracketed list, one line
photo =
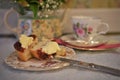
[(6, 21)]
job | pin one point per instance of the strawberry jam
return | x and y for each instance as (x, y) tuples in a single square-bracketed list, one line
[(18, 46), (42, 55)]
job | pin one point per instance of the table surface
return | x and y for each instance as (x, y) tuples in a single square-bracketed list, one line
[(109, 58)]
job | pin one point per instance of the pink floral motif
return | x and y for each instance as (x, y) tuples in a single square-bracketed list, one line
[(80, 32)]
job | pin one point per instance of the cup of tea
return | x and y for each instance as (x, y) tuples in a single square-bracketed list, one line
[(87, 28)]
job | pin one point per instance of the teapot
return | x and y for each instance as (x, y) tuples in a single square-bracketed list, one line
[(48, 27)]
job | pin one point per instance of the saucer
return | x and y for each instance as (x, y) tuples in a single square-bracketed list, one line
[(97, 41)]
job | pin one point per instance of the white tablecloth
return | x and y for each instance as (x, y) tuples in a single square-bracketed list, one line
[(109, 58)]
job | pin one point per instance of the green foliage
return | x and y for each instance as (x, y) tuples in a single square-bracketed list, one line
[(41, 5)]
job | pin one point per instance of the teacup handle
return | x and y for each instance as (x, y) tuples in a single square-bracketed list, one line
[(16, 30), (105, 30)]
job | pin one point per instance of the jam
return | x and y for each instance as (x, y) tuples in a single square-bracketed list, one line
[(42, 55), (18, 47)]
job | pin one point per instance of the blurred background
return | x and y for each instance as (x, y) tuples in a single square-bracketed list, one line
[(77, 3), (93, 3), (107, 10)]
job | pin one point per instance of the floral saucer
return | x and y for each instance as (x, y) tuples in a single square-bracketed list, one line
[(70, 39)]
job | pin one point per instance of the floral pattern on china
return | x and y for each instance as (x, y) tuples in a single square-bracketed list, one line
[(48, 28), (43, 22), (81, 29)]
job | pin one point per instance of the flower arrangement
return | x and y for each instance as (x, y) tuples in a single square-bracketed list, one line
[(40, 5)]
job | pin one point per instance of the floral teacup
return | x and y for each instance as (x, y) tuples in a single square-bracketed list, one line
[(86, 28)]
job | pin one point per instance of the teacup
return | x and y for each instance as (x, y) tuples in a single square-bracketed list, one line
[(87, 28)]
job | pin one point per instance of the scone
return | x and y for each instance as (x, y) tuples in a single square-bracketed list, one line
[(35, 41), (46, 51), (38, 54), (36, 51), (24, 45), (22, 53), (61, 52)]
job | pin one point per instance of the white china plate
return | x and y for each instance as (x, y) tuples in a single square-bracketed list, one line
[(37, 65), (70, 38)]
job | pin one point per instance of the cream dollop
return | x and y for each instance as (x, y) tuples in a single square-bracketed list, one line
[(25, 41), (50, 48)]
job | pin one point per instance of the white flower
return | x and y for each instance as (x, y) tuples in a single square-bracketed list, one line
[(41, 3), (47, 5), (54, 6)]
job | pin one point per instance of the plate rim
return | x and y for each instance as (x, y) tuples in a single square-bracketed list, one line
[(62, 64), (72, 35), (87, 48)]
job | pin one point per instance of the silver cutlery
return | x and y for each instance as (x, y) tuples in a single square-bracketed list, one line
[(91, 66)]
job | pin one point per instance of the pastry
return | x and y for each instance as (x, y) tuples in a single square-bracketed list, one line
[(46, 51), (22, 53), (24, 45), (28, 47)]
